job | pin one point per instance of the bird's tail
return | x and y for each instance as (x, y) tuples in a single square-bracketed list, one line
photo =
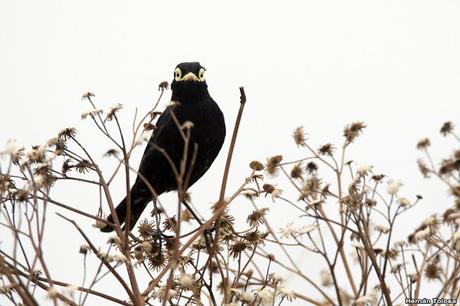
[(138, 204)]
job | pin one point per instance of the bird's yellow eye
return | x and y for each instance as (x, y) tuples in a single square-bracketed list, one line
[(201, 75), (177, 74)]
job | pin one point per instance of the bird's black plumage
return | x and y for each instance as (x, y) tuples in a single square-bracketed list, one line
[(191, 102)]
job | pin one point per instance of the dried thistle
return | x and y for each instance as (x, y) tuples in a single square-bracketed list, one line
[(146, 229), (163, 86), (238, 247), (272, 164), (112, 111), (299, 136), (311, 167), (433, 271), (326, 149), (170, 224), (423, 168), (66, 134), (423, 144), (447, 128), (353, 130), (256, 165), (156, 261), (83, 166), (257, 217), (110, 153), (87, 95), (255, 237), (297, 171)]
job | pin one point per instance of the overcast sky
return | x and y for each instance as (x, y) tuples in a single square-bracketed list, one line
[(320, 64)]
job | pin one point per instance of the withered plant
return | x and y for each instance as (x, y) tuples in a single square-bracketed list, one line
[(342, 216)]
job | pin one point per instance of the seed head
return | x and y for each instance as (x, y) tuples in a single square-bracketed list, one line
[(163, 86), (393, 187), (423, 144), (256, 165), (447, 128), (272, 164), (146, 229), (297, 171), (257, 217), (266, 296), (326, 149), (432, 271), (52, 293), (299, 136), (87, 95), (353, 130), (186, 281), (112, 111), (311, 167), (325, 278)]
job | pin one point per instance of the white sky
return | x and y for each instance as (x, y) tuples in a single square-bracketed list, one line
[(320, 64)]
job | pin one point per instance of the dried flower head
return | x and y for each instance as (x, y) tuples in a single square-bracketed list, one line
[(423, 144), (111, 152), (404, 202), (306, 229), (256, 165), (382, 228), (393, 187), (325, 278), (353, 130), (146, 229), (272, 164), (286, 293), (114, 240), (52, 293), (450, 215), (66, 134), (87, 95), (363, 170), (287, 231), (326, 149), (120, 258), (431, 221), (10, 148), (92, 113), (84, 249), (433, 271), (299, 136), (257, 217), (276, 278), (186, 216), (255, 237), (447, 128), (186, 281), (247, 297), (163, 86), (311, 167), (266, 296), (156, 261), (112, 111), (297, 171), (83, 166)]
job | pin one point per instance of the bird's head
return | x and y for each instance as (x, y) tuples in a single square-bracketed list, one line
[(189, 79)]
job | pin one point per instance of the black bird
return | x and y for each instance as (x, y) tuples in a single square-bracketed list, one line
[(190, 102)]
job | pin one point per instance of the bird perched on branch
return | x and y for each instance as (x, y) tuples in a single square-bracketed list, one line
[(194, 109)]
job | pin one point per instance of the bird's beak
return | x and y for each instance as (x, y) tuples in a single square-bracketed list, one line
[(190, 77)]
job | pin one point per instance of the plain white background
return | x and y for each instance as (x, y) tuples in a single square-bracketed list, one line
[(320, 64)]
